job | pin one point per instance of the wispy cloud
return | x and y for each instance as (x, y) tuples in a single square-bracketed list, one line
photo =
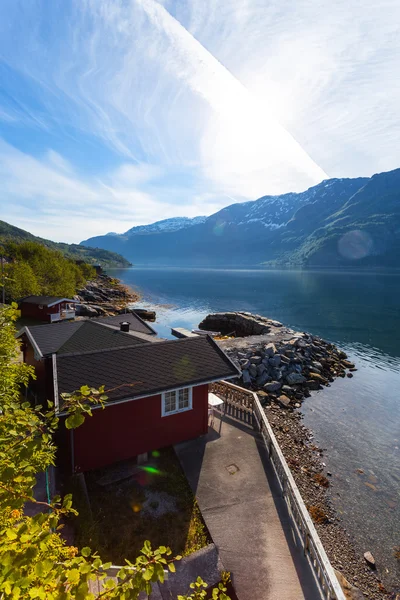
[(195, 102)]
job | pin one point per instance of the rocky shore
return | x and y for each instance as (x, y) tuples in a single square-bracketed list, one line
[(283, 367), (104, 296), (280, 364)]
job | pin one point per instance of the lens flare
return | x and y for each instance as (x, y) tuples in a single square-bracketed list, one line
[(152, 470), (156, 453), (355, 244), (219, 228), (136, 508)]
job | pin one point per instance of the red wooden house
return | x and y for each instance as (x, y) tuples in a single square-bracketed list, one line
[(157, 389), (47, 308)]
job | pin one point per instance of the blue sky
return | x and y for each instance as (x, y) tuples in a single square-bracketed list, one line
[(116, 113)]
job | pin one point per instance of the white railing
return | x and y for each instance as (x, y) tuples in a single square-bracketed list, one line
[(312, 545), (64, 314)]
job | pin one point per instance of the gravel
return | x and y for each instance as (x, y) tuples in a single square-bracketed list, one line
[(305, 461)]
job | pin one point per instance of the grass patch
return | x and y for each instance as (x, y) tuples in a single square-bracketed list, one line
[(154, 503)]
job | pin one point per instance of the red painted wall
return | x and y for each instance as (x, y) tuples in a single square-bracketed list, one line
[(125, 430), (42, 385), (42, 314)]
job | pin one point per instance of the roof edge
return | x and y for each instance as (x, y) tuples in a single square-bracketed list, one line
[(38, 352), (156, 393)]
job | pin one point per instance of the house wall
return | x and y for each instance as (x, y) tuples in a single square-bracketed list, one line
[(42, 314), (123, 431), (42, 386)]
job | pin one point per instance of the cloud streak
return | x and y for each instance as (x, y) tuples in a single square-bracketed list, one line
[(183, 106)]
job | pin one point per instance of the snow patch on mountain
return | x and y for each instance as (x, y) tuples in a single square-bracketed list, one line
[(166, 225)]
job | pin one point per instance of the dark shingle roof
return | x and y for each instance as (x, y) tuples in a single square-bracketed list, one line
[(49, 338), (81, 336), (146, 369), (93, 336), (136, 323), (45, 300)]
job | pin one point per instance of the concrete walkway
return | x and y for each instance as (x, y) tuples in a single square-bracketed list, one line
[(230, 474)]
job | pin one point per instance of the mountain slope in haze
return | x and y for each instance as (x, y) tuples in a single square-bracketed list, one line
[(339, 222), (93, 256)]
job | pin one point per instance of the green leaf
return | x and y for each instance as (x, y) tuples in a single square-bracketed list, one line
[(86, 551), (74, 420), (171, 567), (10, 533), (73, 576)]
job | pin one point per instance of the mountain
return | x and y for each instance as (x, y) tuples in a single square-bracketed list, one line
[(94, 256), (339, 222), (173, 224)]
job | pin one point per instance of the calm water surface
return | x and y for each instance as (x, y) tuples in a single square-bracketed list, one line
[(357, 420)]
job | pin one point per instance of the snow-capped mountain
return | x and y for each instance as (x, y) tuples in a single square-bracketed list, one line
[(295, 228), (173, 224)]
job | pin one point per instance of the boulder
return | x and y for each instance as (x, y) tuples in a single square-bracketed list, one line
[(275, 360), (317, 377), (262, 379), (273, 386), (84, 310), (253, 370), (261, 369), (270, 350), (255, 360), (286, 389), (246, 376), (312, 384), (284, 400), (295, 378)]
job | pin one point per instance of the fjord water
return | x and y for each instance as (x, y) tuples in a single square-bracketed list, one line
[(356, 420)]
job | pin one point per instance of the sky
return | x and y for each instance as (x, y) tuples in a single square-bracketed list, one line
[(115, 113)]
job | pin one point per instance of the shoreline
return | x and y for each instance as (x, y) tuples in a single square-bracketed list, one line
[(306, 461), (105, 296)]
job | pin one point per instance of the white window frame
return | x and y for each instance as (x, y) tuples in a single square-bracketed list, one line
[(177, 409)]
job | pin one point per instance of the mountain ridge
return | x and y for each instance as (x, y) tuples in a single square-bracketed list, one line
[(338, 222), (99, 256)]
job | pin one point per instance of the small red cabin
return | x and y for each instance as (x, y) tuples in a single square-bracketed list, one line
[(157, 390), (47, 308)]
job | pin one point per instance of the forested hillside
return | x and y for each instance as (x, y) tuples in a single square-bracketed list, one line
[(93, 256), (31, 268)]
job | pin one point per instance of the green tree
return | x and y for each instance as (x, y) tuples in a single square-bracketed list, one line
[(20, 281), (35, 561), (36, 269)]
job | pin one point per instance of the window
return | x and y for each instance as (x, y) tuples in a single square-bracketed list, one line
[(176, 401)]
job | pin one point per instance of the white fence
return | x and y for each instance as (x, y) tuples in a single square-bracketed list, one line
[(313, 548)]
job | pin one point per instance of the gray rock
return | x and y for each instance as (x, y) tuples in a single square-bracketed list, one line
[(286, 389), (284, 359), (246, 376), (255, 360), (275, 360), (295, 378), (245, 363), (284, 400), (270, 350), (262, 379), (84, 310), (317, 365), (313, 384), (253, 370), (260, 369), (273, 386)]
